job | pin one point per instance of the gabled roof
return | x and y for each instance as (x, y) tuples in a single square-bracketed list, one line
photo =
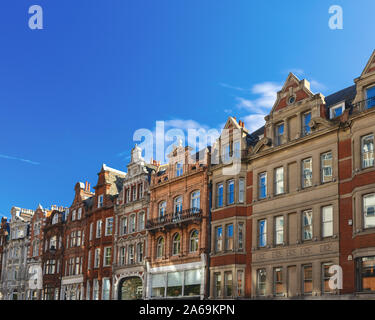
[(370, 66), (299, 88)]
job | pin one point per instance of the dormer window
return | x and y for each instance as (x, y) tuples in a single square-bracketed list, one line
[(370, 97), (279, 134), (79, 216), (306, 120), (100, 201), (337, 110), (73, 215), (179, 169)]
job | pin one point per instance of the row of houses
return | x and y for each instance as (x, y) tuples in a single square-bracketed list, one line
[(261, 214)]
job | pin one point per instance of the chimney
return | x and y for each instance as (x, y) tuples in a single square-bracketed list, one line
[(89, 187), (86, 185)]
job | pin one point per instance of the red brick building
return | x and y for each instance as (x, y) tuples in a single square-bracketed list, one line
[(100, 225), (53, 253), (178, 227), (230, 223), (357, 188), (72, 285), (34, 256)]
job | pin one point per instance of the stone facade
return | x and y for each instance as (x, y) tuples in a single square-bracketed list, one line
[(130, 239), (14, 275)]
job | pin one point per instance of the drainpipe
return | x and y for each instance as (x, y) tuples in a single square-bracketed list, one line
[(207, 293)]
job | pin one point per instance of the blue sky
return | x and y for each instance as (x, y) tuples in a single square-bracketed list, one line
[(72, 94)]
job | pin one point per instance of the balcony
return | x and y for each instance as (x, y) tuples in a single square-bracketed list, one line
[(175, 219), (362, 105)]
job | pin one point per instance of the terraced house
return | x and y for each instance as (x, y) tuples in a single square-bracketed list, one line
[(35, 252), (14, 275), (269, 214), (230, 224), (178, 227), (130, 238), (99, 230), (53, 253), (313, 192), (73, 242)]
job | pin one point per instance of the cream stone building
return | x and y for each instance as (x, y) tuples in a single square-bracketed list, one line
[(295, 206)]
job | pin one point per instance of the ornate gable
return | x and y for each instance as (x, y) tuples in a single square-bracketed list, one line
[(293, 90), (370, 66)]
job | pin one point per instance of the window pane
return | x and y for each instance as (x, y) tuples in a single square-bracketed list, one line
[(307, 173), (370, 95), (279, 180), (262, 229), (367, 151), (369, 210), (327, 221), (262, 185), (307, 225), (326, 164), (279, 229)]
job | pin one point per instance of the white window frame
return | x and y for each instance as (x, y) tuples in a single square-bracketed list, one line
[(106, 255), (98, 228), (341, 106), (107, 225), (326, 221), (279, 184), (100, 200)]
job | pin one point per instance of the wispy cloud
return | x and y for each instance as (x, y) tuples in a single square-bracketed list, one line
[(317, 86), (256, 101), (19, 159), (225, 85)]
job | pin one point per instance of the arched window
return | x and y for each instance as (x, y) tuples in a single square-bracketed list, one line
[(176, 248), (178, 205), (162, 208), (195, 201), (160, 248), (194, 238), (55, 219)]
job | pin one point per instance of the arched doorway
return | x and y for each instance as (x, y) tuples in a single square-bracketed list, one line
[(130, 288)]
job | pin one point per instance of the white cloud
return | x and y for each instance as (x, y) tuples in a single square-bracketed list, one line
[(254, 121), (267, 92)]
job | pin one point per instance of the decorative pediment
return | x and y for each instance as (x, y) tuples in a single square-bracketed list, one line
[(261, 143), (370, 66), (293, 90)]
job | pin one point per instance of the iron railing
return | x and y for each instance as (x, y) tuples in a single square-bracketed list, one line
[(362, 105), (171, 219)]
